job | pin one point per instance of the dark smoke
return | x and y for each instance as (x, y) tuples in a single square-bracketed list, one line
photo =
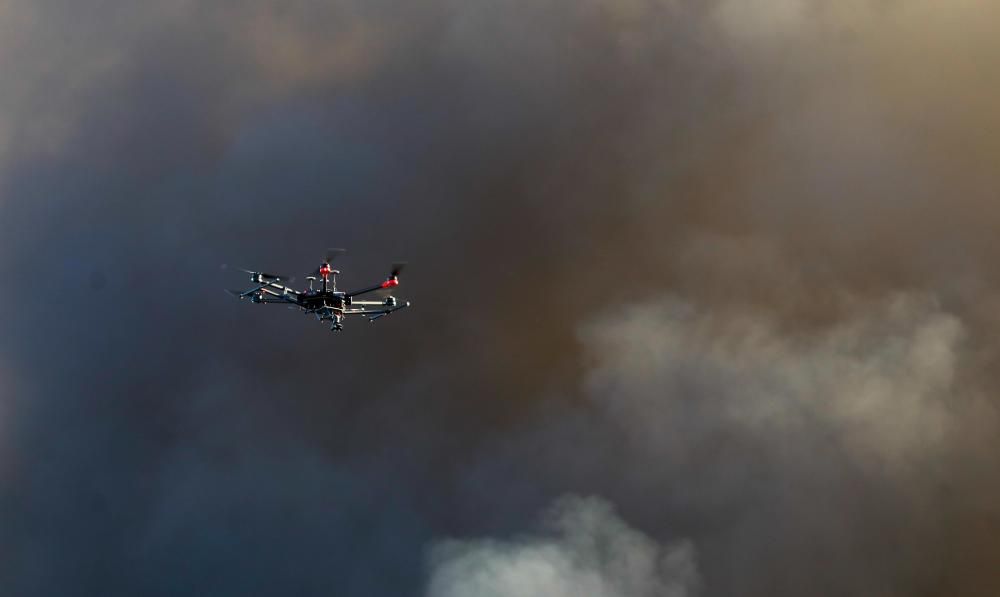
[(727, 267)]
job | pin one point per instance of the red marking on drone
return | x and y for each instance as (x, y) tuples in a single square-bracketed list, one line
[(390, 283), (324, 270)]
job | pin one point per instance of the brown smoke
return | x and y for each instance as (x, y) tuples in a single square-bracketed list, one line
[(726, 265)]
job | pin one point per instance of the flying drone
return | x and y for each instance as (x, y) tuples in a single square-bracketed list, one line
[(326, 303)]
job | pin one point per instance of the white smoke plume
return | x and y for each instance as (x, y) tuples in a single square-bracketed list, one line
[(881, 383), (764, 444), (584, 548)]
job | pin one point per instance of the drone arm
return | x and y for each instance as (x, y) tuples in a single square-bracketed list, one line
[(367, 290), (277, 297), (384, 311), (283, 289), (391, 282), (250, 292), (264, 295), (242, 295)]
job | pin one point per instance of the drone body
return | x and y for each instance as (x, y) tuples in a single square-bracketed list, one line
[(326, 303)]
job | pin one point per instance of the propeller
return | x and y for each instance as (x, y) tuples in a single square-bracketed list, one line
[(275, 277), (241, 294), (390, 284), (332, 254), (329, 256)]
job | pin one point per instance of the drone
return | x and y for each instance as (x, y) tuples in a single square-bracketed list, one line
[(326, 303)]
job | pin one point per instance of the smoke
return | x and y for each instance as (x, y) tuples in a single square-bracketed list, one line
[(823, 447), (881, 385), (728, 265), (799, 436), (8, 391), (586, 549)]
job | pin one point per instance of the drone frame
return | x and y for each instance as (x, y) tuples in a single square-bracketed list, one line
[(329, 304)]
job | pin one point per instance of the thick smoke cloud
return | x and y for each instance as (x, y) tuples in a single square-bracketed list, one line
[(816, 435), (825, 449), (728, 266), (883, 385), (588, 550)]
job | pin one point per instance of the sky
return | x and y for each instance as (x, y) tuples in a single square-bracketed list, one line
[(704, 298)]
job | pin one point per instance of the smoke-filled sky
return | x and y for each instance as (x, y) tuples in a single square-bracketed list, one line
[(705, 298)]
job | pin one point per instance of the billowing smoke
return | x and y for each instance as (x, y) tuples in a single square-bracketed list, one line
[(881, 387), (586, 549), (727, 266), (821, 447)]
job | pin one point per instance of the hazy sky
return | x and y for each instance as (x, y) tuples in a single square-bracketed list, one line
[(705, 298)]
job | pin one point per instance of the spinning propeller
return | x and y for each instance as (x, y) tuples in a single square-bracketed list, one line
[(267, 276), (329, 256)]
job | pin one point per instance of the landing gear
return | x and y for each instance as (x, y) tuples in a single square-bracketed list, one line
[(337, 325)]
